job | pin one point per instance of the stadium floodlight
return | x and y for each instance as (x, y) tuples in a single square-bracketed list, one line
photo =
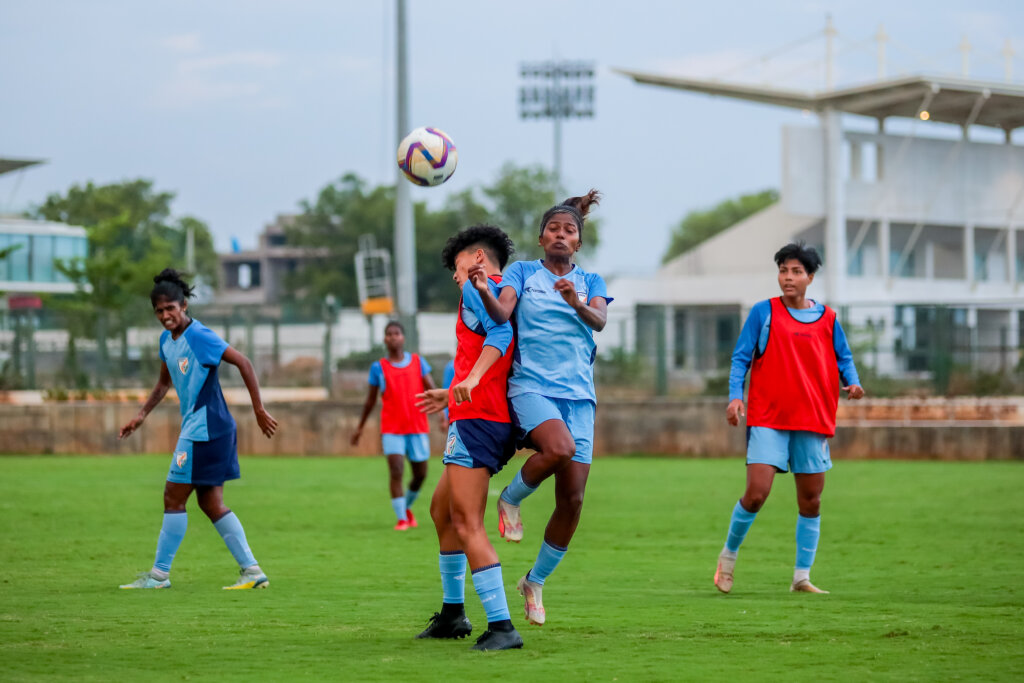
[(557, 90)]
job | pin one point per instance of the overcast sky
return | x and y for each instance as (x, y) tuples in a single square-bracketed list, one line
[(243, 108)]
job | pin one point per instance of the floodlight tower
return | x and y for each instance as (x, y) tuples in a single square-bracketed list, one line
[(556, 90), (405, 227)]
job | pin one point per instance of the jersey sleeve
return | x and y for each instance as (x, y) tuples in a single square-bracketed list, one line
[(424, 366), (496, 335), (160, 345), (449, 374), (844, 356), (597, 287), (514, 277), (207, 346), (743, 353), (376, 378)]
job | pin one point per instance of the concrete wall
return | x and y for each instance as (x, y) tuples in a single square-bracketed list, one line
[(973, 429)]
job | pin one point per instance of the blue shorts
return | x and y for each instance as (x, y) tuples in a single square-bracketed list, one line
[(530, 410), (416, 447), (786, 450), (205, 463), (476, 443)]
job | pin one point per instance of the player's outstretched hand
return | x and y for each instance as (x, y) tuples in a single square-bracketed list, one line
[(478, 276), (568, 291), (432, 401), (266, 421), (130, 427), (463, 391), (735, 411), (854, 391), (355, 436)]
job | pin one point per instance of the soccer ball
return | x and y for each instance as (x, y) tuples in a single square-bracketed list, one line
[(427, 156)]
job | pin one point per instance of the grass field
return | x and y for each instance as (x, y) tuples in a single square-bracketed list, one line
[(924, 561)]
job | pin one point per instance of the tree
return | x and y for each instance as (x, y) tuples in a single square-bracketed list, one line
[(703, 224), (348, 208), (131, 237)]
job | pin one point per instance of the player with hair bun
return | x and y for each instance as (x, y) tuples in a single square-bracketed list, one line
[(557, 307), (798, 359), (206, 454)]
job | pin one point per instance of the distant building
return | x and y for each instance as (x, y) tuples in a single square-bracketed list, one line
[(256, 276), (921, 237)]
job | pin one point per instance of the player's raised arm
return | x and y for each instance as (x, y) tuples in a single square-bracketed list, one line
[(499, 308), (163, 384)]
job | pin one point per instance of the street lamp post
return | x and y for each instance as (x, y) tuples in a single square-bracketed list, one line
[(556, 90)]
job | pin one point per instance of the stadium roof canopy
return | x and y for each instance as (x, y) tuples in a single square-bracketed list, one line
[(8, 165), (948, 100)]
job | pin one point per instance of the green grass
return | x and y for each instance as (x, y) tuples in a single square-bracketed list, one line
[(924, 561)]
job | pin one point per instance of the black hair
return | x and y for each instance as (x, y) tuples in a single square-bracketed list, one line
[(807, 256), (577, 207), (170, 285), (492, 239), (394, 323)]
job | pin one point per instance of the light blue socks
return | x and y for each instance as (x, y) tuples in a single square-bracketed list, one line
[(517, 489), (488, 584), (547, 559), (230, 529), (453, 576), (410, 498), (739, 525), (808, 530), (171, 534), (398, 505)]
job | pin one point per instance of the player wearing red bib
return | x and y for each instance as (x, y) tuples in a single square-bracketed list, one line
[(479, 443), (403, 428), (798, 359)]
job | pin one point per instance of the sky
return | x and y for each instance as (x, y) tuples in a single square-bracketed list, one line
[(243, 109)]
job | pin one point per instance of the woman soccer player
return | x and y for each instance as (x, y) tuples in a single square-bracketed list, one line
[(797, 355), (480, 442), (206, 454), (557, 308), (403, 428)]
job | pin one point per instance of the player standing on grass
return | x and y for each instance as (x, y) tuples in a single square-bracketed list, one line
[(797, 354), (480, 442), (206, 454), (557, 308), (403, 428)]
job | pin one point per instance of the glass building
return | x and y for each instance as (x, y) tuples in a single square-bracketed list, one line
[(29, 268)]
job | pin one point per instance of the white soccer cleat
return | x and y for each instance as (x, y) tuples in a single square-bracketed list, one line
[(723, 573), (252, 577), (805, 586), (534, 606), (147, 580), (510, 524)]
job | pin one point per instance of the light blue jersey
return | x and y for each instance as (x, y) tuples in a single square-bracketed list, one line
[(555, 349), (192, 361)]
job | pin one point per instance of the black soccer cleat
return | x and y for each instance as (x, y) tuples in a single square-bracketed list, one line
[(499, 640), (441, 626)]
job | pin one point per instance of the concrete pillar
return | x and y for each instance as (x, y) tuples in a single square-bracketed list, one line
[(670, 336), (691, 341), (969, 250), (1011, 256), (835, 209)]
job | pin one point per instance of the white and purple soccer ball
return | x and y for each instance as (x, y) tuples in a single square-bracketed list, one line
[(427, 156)]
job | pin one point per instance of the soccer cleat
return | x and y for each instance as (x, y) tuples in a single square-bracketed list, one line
[(805, 586), (510, 524), (147, 580), (249, 578), (534, 607), (723, 573), (441, 626), (403, 525), (499, 640), (411, 519)]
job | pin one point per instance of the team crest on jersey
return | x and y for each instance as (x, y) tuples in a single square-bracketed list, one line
[(450, 447), (582, 296), (183, 365), (180, 457)]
